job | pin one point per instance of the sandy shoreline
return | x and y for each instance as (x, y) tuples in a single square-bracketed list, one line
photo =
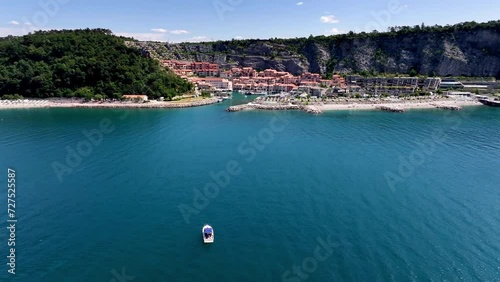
[(72, 103)]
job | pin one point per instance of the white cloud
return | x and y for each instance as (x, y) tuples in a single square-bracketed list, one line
[(179, 31), (238, 37), (160, 30), (199, 39), (329, 19), (11, 31), (144, 36), (14, 23), (20, 30), (334, 31), (300, 3)]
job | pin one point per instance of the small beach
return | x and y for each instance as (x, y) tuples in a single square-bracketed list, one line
[(79, 103)]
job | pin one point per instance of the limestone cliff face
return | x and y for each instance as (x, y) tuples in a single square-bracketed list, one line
[(452, 50), (459, 53)]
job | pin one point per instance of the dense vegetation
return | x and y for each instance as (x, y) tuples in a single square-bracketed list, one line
[(81, 63)]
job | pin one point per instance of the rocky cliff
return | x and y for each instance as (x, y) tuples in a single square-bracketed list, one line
[(466, 49)]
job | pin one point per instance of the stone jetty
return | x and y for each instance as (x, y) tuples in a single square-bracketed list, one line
[(239, 108), (393, 109), (275, 107), (312, 110), (448, 107)]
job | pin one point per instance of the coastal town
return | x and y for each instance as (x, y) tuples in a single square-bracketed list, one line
[(211, 78), (313, 93), (310, 92)]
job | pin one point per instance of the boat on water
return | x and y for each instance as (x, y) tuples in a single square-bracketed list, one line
[(491, 103), (208, 234), (226, 98)]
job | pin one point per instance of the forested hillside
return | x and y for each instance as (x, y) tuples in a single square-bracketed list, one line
[(81, 63)]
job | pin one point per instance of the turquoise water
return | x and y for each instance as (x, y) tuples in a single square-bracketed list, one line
[(386, 208)]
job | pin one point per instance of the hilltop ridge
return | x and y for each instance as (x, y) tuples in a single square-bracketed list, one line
[(465, 49)]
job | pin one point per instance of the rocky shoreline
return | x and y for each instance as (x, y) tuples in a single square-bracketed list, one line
[(393, 106)]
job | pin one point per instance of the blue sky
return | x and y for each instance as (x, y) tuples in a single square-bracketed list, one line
[(190, 20)]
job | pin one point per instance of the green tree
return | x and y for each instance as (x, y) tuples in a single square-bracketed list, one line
[(61, 63), (85, 92)]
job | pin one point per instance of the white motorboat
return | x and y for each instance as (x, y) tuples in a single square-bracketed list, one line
[(208, 234)]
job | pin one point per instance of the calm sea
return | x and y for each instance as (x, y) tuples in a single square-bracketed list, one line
[(343, 196)]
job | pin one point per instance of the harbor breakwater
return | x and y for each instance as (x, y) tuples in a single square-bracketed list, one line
[(253, 106), (389, 107), (393, 109)]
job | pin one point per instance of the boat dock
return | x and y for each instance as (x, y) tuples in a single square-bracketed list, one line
[(490, 103)]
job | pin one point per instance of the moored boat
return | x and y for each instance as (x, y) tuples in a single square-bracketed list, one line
[(208, 234), (490, 103)]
